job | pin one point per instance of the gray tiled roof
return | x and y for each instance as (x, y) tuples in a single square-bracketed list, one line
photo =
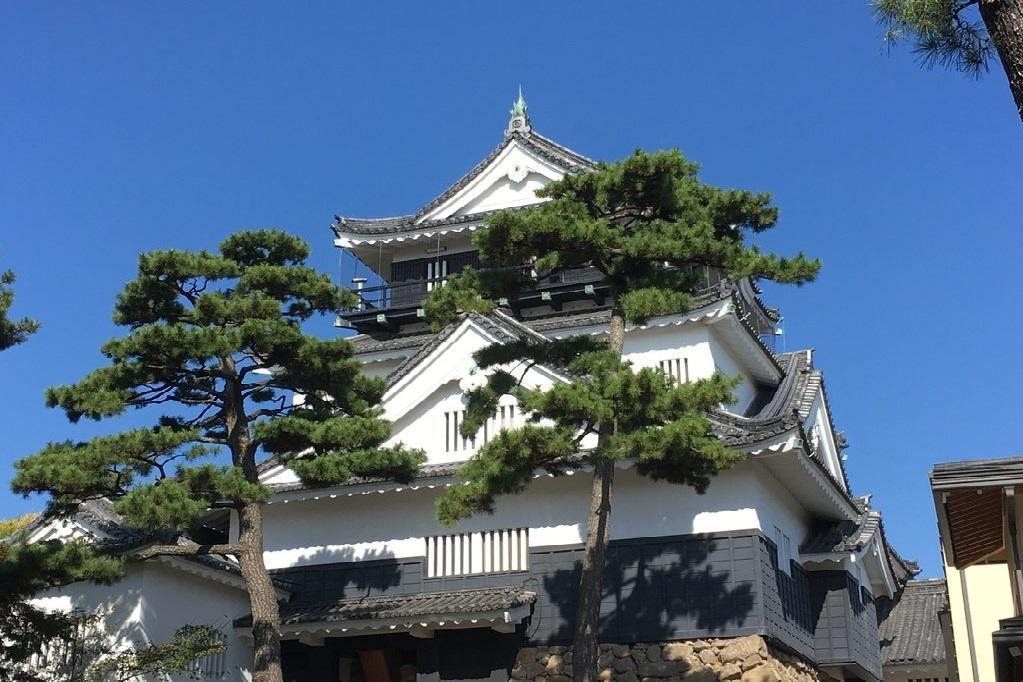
[(843, 536), (365, 343), (977, 473), (122, 538), (779, 410), (544, 147), (412, 606), (502, 326), (779, 414), (100, 514), (910, 632), (427, 471), (851, 536)]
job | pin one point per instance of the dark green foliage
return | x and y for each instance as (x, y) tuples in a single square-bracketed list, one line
[(12, 332), (660, 424), (214, 343), (176, 656), (647, 223), (651, 227), (26, 569), (506, 465), (945, 32), (217, 338), (458, 293)]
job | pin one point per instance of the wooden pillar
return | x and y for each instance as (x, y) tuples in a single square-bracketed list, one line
[(1011, 531)]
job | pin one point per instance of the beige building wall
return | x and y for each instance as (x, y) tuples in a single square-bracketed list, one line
[(978, 597)]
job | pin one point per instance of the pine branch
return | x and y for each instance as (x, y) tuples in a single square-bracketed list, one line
[(188, 550)]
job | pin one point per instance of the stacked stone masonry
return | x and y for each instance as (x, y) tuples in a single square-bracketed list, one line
[(744, 659)]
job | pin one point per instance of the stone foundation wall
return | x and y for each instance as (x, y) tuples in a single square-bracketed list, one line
[(744, 659)]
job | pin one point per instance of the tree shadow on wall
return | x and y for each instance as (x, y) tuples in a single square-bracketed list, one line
[(335, 574), (658, 590)]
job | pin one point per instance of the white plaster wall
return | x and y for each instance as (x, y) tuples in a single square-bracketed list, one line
[(727, 364), (647, 347), (120, 605), (506, 193), (395, 524), (172, 598), (777, 508), (154, 600)]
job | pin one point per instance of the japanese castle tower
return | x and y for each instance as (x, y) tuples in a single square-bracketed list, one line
[(778, 570)]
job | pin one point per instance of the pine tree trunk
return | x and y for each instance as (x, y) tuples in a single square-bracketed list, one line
[(598, 534), (266, 615), (1004, 22)]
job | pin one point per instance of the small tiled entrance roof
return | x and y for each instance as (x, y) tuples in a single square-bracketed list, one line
[(426, 606), (910, 632)]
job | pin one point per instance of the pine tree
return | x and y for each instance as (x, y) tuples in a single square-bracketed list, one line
[(26, 569), (215, 343), (650, 227), (12, 332), (960, 34)]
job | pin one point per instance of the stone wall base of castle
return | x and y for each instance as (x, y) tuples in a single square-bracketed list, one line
[(742, 659)]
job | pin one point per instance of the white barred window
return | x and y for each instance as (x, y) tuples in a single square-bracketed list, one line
[(436, 270), (677, 369), (454, 441), (212, 665), (490, 551)]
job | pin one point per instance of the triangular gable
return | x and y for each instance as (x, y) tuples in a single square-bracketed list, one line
[(65, 530), (508, 179), (448, 358)]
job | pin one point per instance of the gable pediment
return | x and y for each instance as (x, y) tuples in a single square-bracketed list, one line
[(449, 360), (508, 180)]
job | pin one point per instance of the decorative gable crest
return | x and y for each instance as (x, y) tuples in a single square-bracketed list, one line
[(508, 177)]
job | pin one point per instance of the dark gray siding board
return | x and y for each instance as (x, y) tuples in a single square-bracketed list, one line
[(846, 624), (786, 601), (409, 277), (683, 587)]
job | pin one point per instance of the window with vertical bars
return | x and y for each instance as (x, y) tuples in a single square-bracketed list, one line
[(211, 665), (505, 418), (436, 269), (677, 369), (489, 551)]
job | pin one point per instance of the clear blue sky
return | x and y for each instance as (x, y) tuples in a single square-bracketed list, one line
[(126, 127)]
